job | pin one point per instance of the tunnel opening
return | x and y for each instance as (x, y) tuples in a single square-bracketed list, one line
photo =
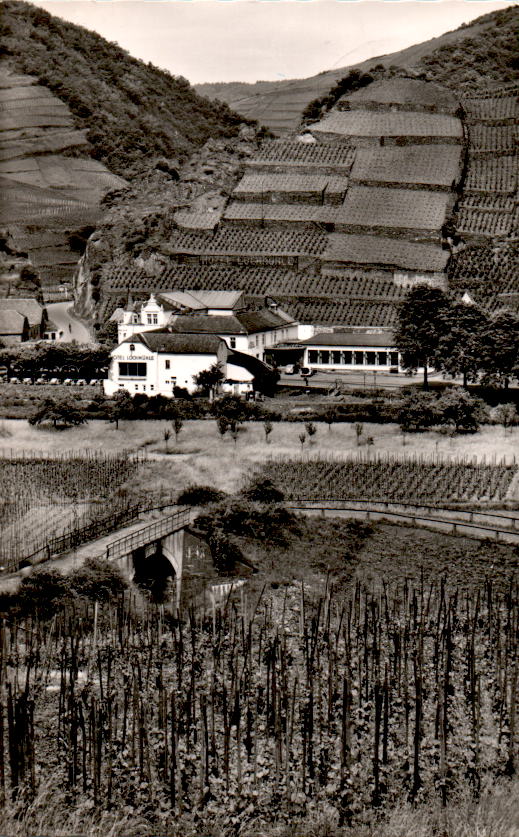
[(154, 573)]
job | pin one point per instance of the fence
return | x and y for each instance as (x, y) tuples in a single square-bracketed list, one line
[(75, 538), (149, 533), (449, 526)]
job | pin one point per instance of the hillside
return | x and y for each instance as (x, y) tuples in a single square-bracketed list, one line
[(79, 118), (132, 111), (481, 55)]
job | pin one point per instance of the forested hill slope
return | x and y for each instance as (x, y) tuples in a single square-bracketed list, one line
[(134, 112), (479, 56)]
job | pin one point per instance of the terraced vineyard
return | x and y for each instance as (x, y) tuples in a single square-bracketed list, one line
[(46, 496), (299, 153), (44, 192), (498, 107), (350, 312), (281, 214), (478, 222), (259, 282), (491, 139), (251, 241), (390, 479), (486, 272), (492, 174)]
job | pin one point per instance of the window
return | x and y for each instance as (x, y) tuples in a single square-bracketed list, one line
[(394, 358), (347, 357), (152, 387), (358, 358), (152, 319), (336, 358), (371, 358), (382, 358), (167, 364), (132, 370), (233, 342), (325, 356), (313, 356)]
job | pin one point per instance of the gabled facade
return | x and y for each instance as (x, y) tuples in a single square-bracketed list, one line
[(31, 310), (156, 362), (251, 332), (14, 327)]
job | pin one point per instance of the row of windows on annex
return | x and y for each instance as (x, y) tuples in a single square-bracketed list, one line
[(326, 357), (131, 371)]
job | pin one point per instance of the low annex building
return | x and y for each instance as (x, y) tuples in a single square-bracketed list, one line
[(354, 350)]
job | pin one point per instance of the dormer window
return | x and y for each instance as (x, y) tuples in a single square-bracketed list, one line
[(152, 319), (132, 347)]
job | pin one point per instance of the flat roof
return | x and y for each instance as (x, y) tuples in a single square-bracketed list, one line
[(351, 339)]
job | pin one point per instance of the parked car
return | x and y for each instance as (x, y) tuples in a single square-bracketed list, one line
[(290, 369), (68, 382), (306, 372), (81, 382), (41, 381), (93, 382), (27, 381), (54, 381), (14, 380)]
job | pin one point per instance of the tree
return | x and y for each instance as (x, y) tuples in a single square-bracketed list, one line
[(167, 436), (311, 430), (330, 416), (459, 408), (267, 429), (178, 424), (500, 348), (359, 430), (208, 379), (302, 439), (122, 407), (421, 318), (222, 425), (506, 414), (61, 413), (460, 347)]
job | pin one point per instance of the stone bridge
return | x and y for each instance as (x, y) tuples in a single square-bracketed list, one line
[(161, 540)]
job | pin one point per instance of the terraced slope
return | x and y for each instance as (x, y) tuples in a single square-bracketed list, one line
[(47, 197), (333, 228), (134, 113)]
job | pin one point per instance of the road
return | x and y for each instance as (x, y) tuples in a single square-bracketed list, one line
[(73, 329)]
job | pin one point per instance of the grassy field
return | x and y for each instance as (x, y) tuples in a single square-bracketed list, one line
[(203, 456)]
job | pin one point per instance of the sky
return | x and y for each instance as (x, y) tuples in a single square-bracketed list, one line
[(247, 40)]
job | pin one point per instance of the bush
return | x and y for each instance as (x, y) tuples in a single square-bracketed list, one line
[(272, 524), (44, 592), (418, 411), (97, 580), (263, 491), (462, 410), (200, 495)]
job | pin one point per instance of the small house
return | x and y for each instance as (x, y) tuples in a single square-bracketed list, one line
[(14, 327)]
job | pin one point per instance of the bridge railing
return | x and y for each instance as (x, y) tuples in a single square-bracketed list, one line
[(149, 533)]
